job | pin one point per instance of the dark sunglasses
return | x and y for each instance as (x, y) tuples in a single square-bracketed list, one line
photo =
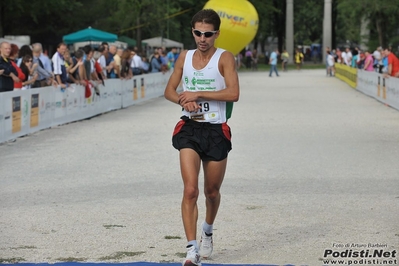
[(207, 34)]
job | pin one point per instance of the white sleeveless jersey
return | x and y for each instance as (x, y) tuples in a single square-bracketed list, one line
[(206, 79)]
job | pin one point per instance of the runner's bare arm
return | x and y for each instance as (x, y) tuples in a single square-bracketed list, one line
[(174, 80), (231, 93)]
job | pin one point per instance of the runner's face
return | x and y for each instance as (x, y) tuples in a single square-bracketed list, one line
[(204, 43)]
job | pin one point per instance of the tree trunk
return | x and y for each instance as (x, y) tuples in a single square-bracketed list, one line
[(138, 35), (379, 31)]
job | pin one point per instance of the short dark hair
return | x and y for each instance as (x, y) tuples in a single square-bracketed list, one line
[(87, 49), (79, 53), (101, 48), (208, 16)]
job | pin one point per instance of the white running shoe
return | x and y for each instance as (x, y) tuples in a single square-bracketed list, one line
[(206, 245), (192, 257)]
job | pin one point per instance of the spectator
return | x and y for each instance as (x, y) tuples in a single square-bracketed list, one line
[(248, 58), (145, 66), (164, 61), (97, 73), (393, 63), (368, 62), (21, 75), (102, 60), (90, 74), (109, 57), (24, 50), (328, 52), (267, 57), (136, 63), (68, 64), (87, 62), (59, 66), (8, 73), (343, 57), (339, 56), (347, 57), (161, 50), (171, 57), (384, 62), (254, 63), (117, 60), (273, 63), (361, 58), (43, 58), (298, 59), (284, 58), (155, 65), (29, 70), (76, 69), (330, 64), (355, 58), (334, 54), (176, 54), (126, 70), (377, 64), (45, 78), (315, 54)]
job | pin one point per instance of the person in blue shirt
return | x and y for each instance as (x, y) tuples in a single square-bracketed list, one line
[(171, 57), (155, 65), (273, 62)]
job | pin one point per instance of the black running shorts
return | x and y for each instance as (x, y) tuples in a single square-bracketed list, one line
[(211, 141)]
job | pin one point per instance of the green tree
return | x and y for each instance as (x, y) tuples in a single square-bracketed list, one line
[(308, 21), (265, 10), (382, 16), (40, 18)]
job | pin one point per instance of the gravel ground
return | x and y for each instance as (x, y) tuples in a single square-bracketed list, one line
[(314, 166)]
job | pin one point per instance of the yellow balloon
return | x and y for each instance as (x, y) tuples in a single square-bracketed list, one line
[(239, 23)]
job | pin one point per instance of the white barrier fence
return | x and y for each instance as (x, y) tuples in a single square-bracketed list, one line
[(28, 111), (385, 90)]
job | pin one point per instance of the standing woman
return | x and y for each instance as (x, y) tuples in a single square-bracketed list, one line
[(13, 58), (24, 50), (28, 69), (368, 62)]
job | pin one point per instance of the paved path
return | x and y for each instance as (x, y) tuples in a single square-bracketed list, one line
[(314, 164)]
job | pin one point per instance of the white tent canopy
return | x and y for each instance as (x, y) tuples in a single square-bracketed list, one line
[(18, 43), (162, 42)]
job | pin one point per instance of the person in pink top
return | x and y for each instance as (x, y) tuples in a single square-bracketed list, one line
[(368, 62)]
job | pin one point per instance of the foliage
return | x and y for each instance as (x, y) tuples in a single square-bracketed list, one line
[(47, 21), (23, 17), (308, 21), (382, 16)]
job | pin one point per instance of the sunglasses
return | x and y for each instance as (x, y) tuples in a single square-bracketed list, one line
[(207, 34)]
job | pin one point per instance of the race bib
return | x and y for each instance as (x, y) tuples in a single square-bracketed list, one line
[(208, 112)]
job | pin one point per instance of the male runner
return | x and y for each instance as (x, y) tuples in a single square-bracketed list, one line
[(210, 84)]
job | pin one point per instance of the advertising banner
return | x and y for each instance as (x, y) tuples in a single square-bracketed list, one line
[(346, 74), (27, 111), (384, 89)]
